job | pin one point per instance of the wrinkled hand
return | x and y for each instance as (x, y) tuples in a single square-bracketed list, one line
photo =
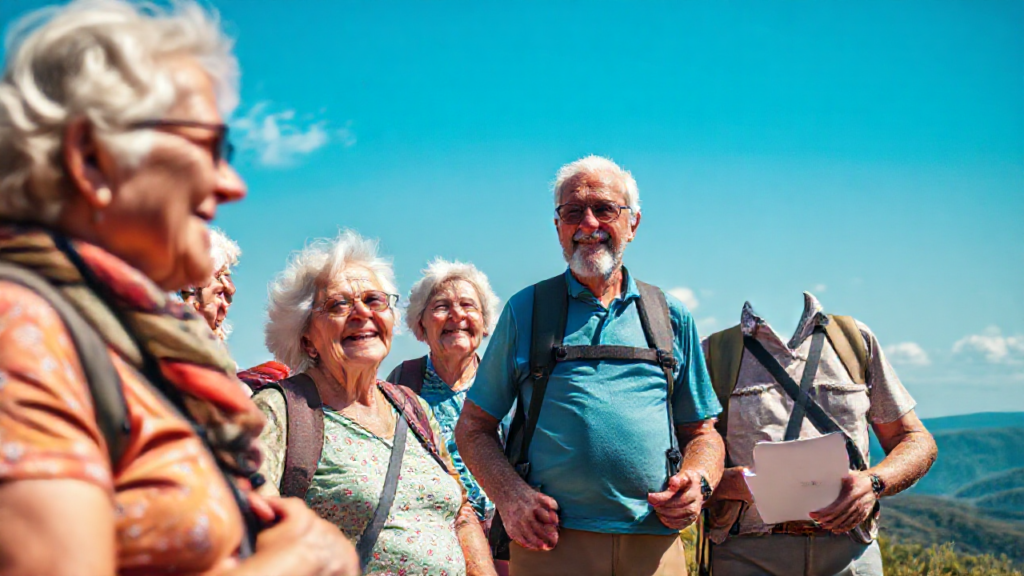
[(733, 486), (678, 506), (855, 502), (316, 543), (531, 519)]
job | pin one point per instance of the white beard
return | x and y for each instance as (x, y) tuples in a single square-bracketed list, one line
[(594, 260)]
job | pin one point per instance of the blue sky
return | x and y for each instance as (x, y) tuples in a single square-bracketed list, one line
[(869, 152)]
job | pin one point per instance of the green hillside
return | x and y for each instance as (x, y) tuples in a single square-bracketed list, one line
[(967, 457), (1005, 501), (928, 520), (975, 421), (998, 482)]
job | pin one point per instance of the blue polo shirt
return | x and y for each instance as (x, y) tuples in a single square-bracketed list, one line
[(603, 430)]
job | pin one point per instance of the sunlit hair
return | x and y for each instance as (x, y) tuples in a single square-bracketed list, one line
[(105, 61), (438, 273), (608, 173), (225, 254), (224, 250), (293, 292)]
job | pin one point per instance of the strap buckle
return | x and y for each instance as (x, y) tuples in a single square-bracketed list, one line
[(666, 359)]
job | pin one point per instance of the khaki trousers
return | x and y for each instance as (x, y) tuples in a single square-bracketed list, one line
[(785, 555), (580, 553)]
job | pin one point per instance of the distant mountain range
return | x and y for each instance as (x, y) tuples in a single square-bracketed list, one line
[(974, 494)]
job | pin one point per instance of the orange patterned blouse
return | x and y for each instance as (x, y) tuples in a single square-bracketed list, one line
[(174, 512)]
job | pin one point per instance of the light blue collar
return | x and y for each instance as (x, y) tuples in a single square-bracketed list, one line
[(578, 291)]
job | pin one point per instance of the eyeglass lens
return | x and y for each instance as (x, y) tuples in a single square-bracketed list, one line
[(374, 300), (574, 213)]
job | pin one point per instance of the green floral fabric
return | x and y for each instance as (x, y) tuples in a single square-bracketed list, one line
[(419, 535)]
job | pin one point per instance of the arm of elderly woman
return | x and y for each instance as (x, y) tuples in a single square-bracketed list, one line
[(76, 518)]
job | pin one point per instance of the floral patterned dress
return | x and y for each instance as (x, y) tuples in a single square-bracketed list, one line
[(419, 534)]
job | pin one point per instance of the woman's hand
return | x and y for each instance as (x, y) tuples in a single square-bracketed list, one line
[(300, 544)]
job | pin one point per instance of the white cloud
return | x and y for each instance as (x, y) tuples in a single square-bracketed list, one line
[(706, 326), (686, 296), (992, 346), (279, 138), (819, 288), (908, 353)]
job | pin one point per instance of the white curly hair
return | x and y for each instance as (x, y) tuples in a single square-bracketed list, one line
[(440, 272), (105, 61), (294, 290), (610, 174), (224, 250)]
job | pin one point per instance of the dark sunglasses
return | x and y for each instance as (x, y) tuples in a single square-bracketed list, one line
[(572, 213), (221, 148)]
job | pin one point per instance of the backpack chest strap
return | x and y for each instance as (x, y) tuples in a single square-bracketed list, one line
[(662, 358)]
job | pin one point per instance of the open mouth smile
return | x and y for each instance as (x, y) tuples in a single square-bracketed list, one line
[(360, 336)]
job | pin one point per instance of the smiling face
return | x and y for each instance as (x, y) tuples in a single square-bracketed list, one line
[(158, 210), (362, 339), (213, 300), (453, 321), (594, 248)]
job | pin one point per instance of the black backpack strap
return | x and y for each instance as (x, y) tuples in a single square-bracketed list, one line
[(817, 415), (657, 325), (100, 374), (368, 539), (550, 310), (305, 433), (410, 374)]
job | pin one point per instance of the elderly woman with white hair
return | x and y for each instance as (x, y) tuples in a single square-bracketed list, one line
[(213, 298), (452, 308), (126, 443), (339, 437)]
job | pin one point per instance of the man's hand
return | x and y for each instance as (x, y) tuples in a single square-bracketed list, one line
[(531, 519), (678, 506), (855, 502)]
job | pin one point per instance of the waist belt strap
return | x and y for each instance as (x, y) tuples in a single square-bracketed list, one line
[(815, 413)]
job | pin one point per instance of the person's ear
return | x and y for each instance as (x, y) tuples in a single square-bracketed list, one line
[(634, 226), (307, 345), (82, 164)]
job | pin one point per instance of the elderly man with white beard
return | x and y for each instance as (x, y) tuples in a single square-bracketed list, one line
[(612, 449)]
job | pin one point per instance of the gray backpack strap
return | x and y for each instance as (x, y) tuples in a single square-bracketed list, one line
[(657, 325), (100, 374), (387, 495), (410, 374), (305, 433)]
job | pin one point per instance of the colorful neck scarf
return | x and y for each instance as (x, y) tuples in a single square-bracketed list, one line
[(163, 339)]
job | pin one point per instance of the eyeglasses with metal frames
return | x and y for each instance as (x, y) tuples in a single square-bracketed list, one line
[(221, 148), (373, 300), (573, 213)]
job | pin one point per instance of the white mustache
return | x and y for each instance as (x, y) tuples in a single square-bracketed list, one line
[(599, 235)]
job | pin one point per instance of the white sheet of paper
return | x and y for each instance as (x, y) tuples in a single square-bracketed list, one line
[(792, 479)]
